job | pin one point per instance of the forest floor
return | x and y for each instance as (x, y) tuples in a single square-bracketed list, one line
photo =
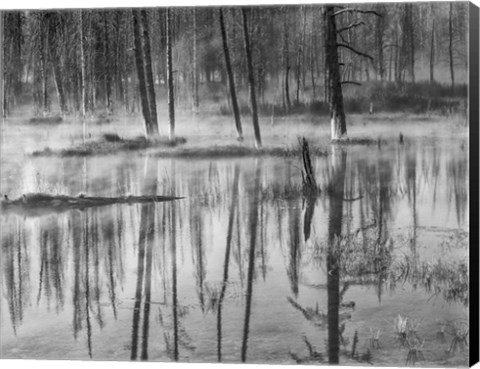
[(203, 135)]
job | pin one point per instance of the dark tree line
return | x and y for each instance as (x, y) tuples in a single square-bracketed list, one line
[(85, 61)]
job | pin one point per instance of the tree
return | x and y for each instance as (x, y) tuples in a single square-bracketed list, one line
[(333, 79), (231, 79), (337, 113), (150, 84), (450, 44), (286, 58), (251, 80), (2, 68), (139, 61), (171, 96), (432, 44)]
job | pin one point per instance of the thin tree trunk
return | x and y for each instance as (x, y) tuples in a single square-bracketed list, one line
[(286, 55), (412, 43), (194, 62), (107, 66), (171, 96), (83, 70), (231, 80), (337, 113), (251, 81), (2, 68), (450, 44), (379, 39), (432, 51), (141, 71), (150, 83)]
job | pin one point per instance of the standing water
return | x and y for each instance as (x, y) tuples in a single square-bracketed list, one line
[(374, 270)]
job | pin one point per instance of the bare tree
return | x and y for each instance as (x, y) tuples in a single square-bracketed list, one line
[(450, 44), (231, 79), (171, 96), (139, 61), (251, 80)]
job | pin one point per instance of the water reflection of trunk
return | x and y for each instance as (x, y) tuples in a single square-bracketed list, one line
[(15, 268), (51, 263), (196, 235), (310, 202), (173, 250), (231, 217), (254, 200), (144, 267), (76, 222), (384, 209), (294, 256), (457, 185), (87, 283), (111, 242), (336, 196), (96, 266), (411, 174), (148, 281)]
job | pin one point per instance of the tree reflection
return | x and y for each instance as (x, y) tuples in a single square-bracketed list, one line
[(231, 216), (336, 197), (253, 220)]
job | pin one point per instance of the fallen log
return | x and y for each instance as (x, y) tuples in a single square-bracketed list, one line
[(35, 204)]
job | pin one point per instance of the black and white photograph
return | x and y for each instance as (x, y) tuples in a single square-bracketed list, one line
[(240, 183)]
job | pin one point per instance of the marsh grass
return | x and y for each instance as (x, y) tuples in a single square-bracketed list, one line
[(111, 143), (235, 151), (46, 120)]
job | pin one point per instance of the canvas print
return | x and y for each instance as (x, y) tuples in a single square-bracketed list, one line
[(282, 184)]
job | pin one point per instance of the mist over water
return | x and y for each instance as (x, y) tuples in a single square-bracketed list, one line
[(243, 268)]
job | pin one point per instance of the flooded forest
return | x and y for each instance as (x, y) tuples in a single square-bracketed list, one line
[(262, 184)]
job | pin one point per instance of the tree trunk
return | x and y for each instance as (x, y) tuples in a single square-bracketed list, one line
[(83, 69), (337, 113), (251, 81), (379, 25), (194, 63), (171, 96), (412, 42), (2, 68), (450, 44), (107, 66), (139, 61), (231, 80), (286, 55), (432, 51), (150, 83)]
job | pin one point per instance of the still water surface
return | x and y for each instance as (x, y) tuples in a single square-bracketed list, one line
[(243, 268)]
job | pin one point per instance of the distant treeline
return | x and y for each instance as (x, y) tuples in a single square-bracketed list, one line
[(84, 60)]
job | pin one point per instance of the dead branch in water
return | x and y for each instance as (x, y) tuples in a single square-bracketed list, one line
[(309, 184), (37, 204)]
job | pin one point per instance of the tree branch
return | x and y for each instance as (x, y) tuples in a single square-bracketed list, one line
[(355, 51), (353, 25), (351, 10), (351, 83)]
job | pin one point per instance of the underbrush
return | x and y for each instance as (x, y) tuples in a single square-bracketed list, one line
[(391, 97)]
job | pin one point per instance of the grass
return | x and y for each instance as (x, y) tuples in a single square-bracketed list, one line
[(110, 143), (236, 151), (46, 120)]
